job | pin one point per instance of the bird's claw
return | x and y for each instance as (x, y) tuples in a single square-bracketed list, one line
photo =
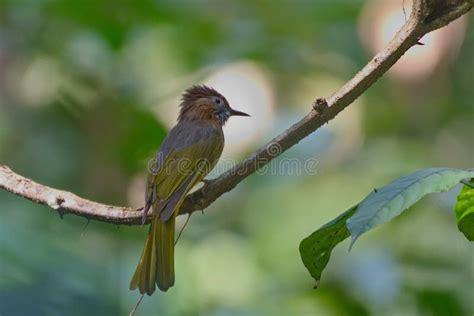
[(206, 181)]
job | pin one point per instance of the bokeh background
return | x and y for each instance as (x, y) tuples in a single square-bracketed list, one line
[(88, 90)]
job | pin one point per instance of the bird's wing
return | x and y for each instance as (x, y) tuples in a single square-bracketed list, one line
[(187, 155)]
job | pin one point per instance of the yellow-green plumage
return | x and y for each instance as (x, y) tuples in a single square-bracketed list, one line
[(189, 146), (186, 156)]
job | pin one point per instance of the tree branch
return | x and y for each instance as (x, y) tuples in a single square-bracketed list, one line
[(426, 16), (65, 202)]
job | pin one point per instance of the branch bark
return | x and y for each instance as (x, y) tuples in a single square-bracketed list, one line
[(426, 16)]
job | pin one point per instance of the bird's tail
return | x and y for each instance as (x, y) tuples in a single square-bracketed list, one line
[(156, 264)]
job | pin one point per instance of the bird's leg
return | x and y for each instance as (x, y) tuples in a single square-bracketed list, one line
[(148, 203), (206, 182), (146, 208)]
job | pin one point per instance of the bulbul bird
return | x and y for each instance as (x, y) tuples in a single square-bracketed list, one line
[(188, 153)]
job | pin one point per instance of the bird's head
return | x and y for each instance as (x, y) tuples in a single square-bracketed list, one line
[(204, 103)]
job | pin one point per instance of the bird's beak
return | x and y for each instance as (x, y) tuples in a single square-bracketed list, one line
[(237, 113)]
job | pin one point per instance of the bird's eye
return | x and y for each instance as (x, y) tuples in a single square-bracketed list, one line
[(218, 101)]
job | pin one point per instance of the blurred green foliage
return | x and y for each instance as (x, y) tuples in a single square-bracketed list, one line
[(81, 83)]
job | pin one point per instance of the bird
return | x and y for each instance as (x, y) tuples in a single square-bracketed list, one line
[(187, 154)]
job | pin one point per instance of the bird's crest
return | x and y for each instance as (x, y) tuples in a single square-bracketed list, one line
[(194, 93), (198, 91)]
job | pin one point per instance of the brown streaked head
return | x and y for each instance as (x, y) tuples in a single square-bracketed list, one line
[(204, 103)]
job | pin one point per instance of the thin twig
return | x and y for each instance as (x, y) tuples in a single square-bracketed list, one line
[(132, 312), (404, 11), (84, 228), (182, 229)]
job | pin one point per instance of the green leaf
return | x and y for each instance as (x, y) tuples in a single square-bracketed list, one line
[(316, 249), (384, 204), (464, 210)]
